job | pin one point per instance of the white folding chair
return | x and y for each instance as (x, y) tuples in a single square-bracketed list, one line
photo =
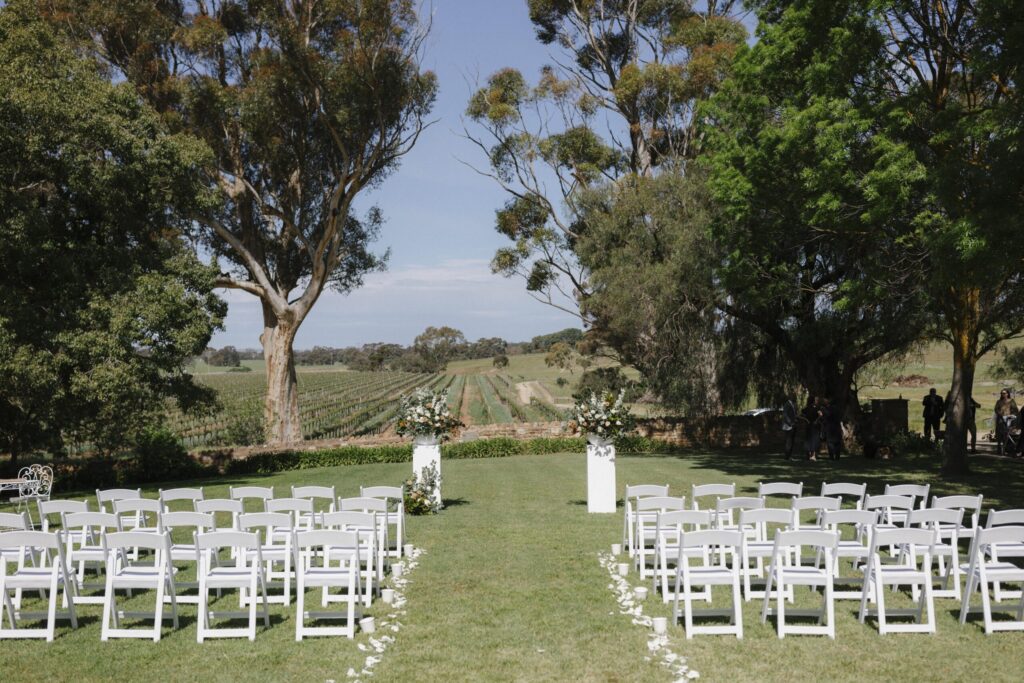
[(124, 573), (725, 507), (785, 573), (106, 497), (633, 492), (191, 495), (301, 509), (379, 508), (339, 566), (856, 546), (83, 532), (971, 505), (647, 511), (138, 514), (670, 527), (275, 530), (997, 518), (325, 495), (701, 544), (22, 556), (51, 578), (219, 507), (892, 510), (392, 495), (783, 489), (260, 494), (853, 493), (760, 545), (945, 522), (705, 496), (365, 525), (183, 548), (816, 504), (244, 573), (49, 508), (918, 493), (985, 568), (917, 548)]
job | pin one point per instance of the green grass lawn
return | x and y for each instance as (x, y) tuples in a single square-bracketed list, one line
[(510, 589)]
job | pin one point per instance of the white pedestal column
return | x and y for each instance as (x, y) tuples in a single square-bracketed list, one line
[(600, 476), (425, 452)]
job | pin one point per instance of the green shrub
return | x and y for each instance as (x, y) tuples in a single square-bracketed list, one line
[(159, 456)]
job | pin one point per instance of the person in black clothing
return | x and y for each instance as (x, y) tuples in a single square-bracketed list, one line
[(811, 415), (971, 421), (934, 409), (789, 425), (832, 427)]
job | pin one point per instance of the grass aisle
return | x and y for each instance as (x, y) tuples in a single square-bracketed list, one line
[(511, 588)]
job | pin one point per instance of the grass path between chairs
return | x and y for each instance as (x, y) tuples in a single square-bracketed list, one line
[(510, 589)]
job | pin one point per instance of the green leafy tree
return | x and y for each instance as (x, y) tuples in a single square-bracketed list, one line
[(304, 106), (438, 345), (619, 102), (101, 302), (500, 361), (561, 356), (936, 87), (814, 200)]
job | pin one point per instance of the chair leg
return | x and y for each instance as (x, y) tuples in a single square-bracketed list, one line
[(252, 608), (300, 608), (203, 620), (737, 608)]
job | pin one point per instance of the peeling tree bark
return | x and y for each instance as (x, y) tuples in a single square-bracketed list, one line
[(964, 325), (281, 406)]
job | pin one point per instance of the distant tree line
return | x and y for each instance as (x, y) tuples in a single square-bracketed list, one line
[(431, 351)]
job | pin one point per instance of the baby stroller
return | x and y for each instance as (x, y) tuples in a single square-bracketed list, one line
[(1009, 443)]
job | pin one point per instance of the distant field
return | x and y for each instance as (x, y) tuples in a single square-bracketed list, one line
[(336, 402)]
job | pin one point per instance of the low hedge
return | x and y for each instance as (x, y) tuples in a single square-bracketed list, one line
[(500, 447), (161, 461)]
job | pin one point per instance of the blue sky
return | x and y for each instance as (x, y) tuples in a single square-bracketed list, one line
[(439, 213)]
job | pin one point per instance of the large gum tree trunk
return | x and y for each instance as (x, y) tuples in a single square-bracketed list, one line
[(281, 407), (963, 317)]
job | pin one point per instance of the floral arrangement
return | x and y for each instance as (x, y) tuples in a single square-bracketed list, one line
[(425, 413), (419, 497), (603, 416)]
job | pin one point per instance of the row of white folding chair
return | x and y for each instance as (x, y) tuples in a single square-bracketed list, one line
[(1004, 535), (276, 528), (785, 573), (316, 553), (393, 497)]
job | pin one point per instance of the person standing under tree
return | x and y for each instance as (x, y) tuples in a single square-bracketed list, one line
[(789, 425), (832, 427), (934, 409), (972, 424), (811, 415), (1005, 407)]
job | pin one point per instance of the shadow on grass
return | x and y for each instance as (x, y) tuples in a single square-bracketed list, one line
[(1000, 480), (454, 502)]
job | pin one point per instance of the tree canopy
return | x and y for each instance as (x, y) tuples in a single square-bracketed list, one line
[(101, 300)]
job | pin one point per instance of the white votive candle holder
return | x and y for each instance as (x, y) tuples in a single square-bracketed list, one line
[(367, 625), (407, 549), (616, 548), (641, 592), (387, 595), (660, 625), (397, 568), (623, 569)]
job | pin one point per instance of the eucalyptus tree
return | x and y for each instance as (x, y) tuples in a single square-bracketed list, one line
[(304, 104), (618, 101), (101, 302)]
